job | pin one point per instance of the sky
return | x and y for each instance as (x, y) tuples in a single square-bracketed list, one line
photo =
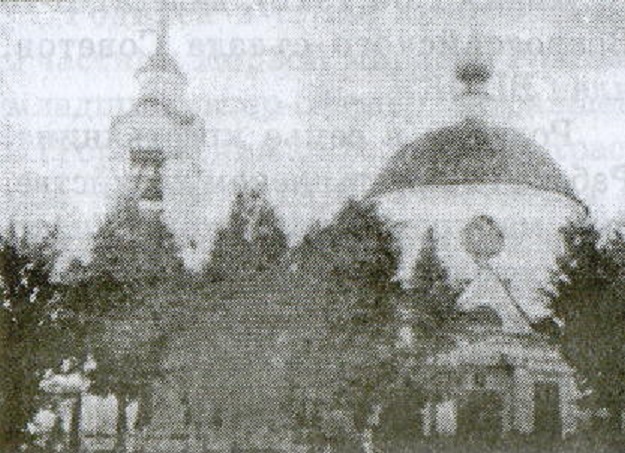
[(312, 97)]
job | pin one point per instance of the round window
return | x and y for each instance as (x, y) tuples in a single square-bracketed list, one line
[(482, 237)]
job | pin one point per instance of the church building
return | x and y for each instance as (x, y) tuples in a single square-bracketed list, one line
[(495, 201)]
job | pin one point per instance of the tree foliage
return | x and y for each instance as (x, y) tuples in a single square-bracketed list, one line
[(125, 335), (128, 350), (357, 250), (433, 293), (251, 242), (123, 324), (135, 246), (33, 322), (588, 297), (349, 368)]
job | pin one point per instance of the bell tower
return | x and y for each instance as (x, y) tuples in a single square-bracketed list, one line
[(158, 129)]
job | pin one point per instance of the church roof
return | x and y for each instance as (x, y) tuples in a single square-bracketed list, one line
[(487, 291), (161, 61), (472, 152), (154, 107)]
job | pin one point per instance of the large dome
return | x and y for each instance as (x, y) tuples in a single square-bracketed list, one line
[(472, 152)]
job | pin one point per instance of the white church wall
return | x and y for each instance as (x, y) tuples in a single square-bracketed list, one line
[(428, 413), (529, 218), (99, 415), (523, 401), (569, 395), (446, 413)]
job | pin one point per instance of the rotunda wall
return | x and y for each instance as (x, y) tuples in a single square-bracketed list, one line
[(530, 220)]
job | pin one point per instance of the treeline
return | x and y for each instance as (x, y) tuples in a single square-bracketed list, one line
[(110, 319), (114, 312)]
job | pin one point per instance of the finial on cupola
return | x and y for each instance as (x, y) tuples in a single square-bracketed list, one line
[(474, 66)]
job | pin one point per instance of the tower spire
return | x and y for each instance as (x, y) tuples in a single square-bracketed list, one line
[(162, 30)]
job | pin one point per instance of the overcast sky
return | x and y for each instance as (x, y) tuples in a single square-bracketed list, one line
[(313, 97)]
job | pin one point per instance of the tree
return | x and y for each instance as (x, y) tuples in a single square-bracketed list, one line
[(251, 242), (92, 298), (134, 252), (125, 334), (33, 323), (135, 246), (434, 296), (428, 308), (588, 297), (353, 262), (357, 250), (128, 351)]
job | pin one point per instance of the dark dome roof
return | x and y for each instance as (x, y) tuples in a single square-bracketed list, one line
[(472, 152)]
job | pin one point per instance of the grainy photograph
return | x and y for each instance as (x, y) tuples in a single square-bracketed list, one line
[(312, 226)]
